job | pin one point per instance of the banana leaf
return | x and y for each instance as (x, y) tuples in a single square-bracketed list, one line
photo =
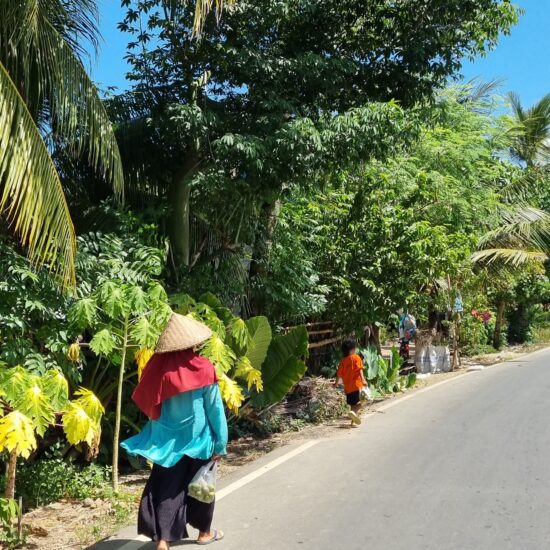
[(283, 367), (261, 336)]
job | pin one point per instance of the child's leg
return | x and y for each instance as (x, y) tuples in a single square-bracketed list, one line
[(355, 405)]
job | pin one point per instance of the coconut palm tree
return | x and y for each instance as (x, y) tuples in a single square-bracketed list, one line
[(48, 101), (530, 131), (523, 236)]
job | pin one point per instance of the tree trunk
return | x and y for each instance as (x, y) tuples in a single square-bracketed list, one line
[(375, 337), (10, 481), (456, 342), (118, 413), (178, 224), (501, 308), (262, 249)]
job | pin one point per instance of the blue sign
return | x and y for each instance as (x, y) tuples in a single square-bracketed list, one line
[(458, 304)]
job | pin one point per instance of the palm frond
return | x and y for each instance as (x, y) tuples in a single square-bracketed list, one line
[(77, 22), (477, 91), (522, 226), (508, 256), (80, 115), (203, 8), (530, 130), (39, 45), (31, 195), (522, 237)]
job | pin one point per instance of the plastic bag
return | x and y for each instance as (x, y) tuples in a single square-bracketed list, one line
[(203, 485), (432, 359), (365, 393)]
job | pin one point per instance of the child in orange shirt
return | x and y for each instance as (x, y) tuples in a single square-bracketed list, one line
[(350, 372)]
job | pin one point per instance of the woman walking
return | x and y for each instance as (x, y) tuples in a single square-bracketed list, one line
[(187, 428)]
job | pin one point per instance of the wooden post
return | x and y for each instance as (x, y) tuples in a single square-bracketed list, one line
[(456, 338), (20, 520)]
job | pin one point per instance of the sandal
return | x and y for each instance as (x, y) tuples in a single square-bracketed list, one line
[(355, 419), (218, 535)]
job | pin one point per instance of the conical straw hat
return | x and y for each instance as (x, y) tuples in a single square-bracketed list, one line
[(182, 332)]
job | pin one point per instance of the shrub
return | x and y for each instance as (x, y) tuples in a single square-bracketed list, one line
[(50, 480)]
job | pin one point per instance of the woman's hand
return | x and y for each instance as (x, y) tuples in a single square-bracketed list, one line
[(216, 458)]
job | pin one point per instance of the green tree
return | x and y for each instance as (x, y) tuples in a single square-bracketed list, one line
[(273, 96), (48, 101)]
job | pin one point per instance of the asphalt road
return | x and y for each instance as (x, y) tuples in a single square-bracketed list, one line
[(464, 465)]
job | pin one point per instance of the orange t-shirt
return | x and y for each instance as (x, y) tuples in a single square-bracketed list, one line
[(349, 370)]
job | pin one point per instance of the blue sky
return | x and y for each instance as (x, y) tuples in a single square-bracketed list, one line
[(520, 59)]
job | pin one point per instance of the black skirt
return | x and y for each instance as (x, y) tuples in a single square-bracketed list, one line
[(166, 508)]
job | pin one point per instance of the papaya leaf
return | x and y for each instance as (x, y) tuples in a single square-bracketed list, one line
[(393, 373), (13, 382), (221, 355), (242, 367), (240, 337), (382, 367), (144, 333), (206, 315), (55, 386), (89, 403), (160, 316), (260, 339), (157, 294), (78, 425), (231, 392), (254, 378), (283, 366), (17, 433), (396, 359), (103, 342), (36, 406), (245, 371), (136, 299), (83, 314), (112, 300)]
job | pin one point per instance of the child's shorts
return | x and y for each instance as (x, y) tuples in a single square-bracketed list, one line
[(353, 398)]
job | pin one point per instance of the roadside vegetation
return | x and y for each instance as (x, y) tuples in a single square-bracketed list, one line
[(294, 170)]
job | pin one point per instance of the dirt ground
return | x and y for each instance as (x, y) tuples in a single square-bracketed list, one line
[(76, 525)]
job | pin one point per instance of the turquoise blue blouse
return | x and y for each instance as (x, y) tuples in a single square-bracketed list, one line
[(192, 423)]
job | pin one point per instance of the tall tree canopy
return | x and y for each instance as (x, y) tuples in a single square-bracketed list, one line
[(274, 94)]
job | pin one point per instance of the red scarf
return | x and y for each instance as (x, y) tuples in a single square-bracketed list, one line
[(167, 375)]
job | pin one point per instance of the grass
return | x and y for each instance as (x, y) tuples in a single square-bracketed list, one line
[(541, 334), (123, 507)]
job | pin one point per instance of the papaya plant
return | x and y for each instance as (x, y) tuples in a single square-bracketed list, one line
[(31, 404), (237, 348), (253, 367), (121, 317)]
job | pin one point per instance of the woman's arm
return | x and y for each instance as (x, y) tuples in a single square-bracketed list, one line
[(215, 413)]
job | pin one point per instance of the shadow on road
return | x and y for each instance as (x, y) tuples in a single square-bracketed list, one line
[(129, 544)]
